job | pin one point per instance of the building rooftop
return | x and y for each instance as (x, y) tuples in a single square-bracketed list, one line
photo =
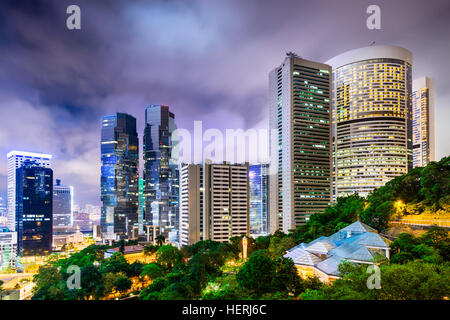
[(357, 242), (128, 249)]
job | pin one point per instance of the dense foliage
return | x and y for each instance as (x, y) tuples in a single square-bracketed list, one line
[(419, 267), (422, 190)]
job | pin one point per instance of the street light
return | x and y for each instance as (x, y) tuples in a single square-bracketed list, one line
[(244, 247)]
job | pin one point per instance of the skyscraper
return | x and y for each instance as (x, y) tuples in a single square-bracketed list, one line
[(141, 206), (119, 176), (161, 177), (300, 111), (15, 160), (226, 201), (371, 117), (423, 121), (214, 202), (34, 199), (191, 203), (62, 207), (259, 199)]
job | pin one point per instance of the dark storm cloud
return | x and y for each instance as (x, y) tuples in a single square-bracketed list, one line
[(207, 60)]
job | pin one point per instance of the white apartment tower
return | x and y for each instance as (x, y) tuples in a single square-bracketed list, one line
[(191, 203), (214, 202), (300, 111), (423, 121), (15, 161)]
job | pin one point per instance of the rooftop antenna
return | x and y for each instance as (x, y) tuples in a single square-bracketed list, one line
[(373, 42), (291, 54)]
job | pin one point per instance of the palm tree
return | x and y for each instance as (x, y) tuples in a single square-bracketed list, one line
[(160, 240)]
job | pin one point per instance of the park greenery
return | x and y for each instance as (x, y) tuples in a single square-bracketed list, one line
[(419, 267)]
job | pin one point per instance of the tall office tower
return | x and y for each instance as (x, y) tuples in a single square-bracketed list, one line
[(34, 199), (161, 177), (423, 121), (62, 207), (15, 160), (8, 248), (259, 199), (141, 206), (371, 117), (300, 111), (191, 203), (226, 201), (119, 177)]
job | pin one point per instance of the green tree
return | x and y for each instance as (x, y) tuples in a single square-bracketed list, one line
[(168, 256), (115, 264), (122, 246), (152, 271), (122, 284), (257, 273), (160, 240), (150, 249)]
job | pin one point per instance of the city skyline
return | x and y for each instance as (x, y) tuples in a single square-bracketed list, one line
[(65, 121), (237, 150)]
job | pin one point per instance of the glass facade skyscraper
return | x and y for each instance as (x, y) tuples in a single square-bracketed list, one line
[(141, 206), (119, 177), (372, 121), (15, 160), (300, 113), (62, 207), (161, 174), (34, 203), (423, 121), (259, 199)]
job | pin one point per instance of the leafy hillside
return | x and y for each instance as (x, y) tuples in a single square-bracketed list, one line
[(423, 190)]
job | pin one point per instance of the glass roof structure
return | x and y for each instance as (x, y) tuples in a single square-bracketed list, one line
[(357, 243)]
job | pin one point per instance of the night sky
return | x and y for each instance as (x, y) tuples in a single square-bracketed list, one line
[(208, 60)]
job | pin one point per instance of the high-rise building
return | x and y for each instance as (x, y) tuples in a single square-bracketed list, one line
[(34, 199), (259, 199), (62, 207), (161, 176), (371, 117), (226, 201), (300, 111), (423, 121), (119, 176), (8, 248), (141, 206), (15, 160), (214, 202), (191, 203)]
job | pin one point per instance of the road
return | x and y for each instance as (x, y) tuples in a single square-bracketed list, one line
[(423, 223)]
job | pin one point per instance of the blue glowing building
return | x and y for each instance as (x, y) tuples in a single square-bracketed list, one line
[(161, 175), (34, 203), (259, 199), (119, 177)]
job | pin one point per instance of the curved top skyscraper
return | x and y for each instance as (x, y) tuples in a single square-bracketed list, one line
[(371, 99)]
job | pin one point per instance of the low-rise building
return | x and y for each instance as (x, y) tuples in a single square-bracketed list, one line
[(8, 248), (131, 254), (357, 243)]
